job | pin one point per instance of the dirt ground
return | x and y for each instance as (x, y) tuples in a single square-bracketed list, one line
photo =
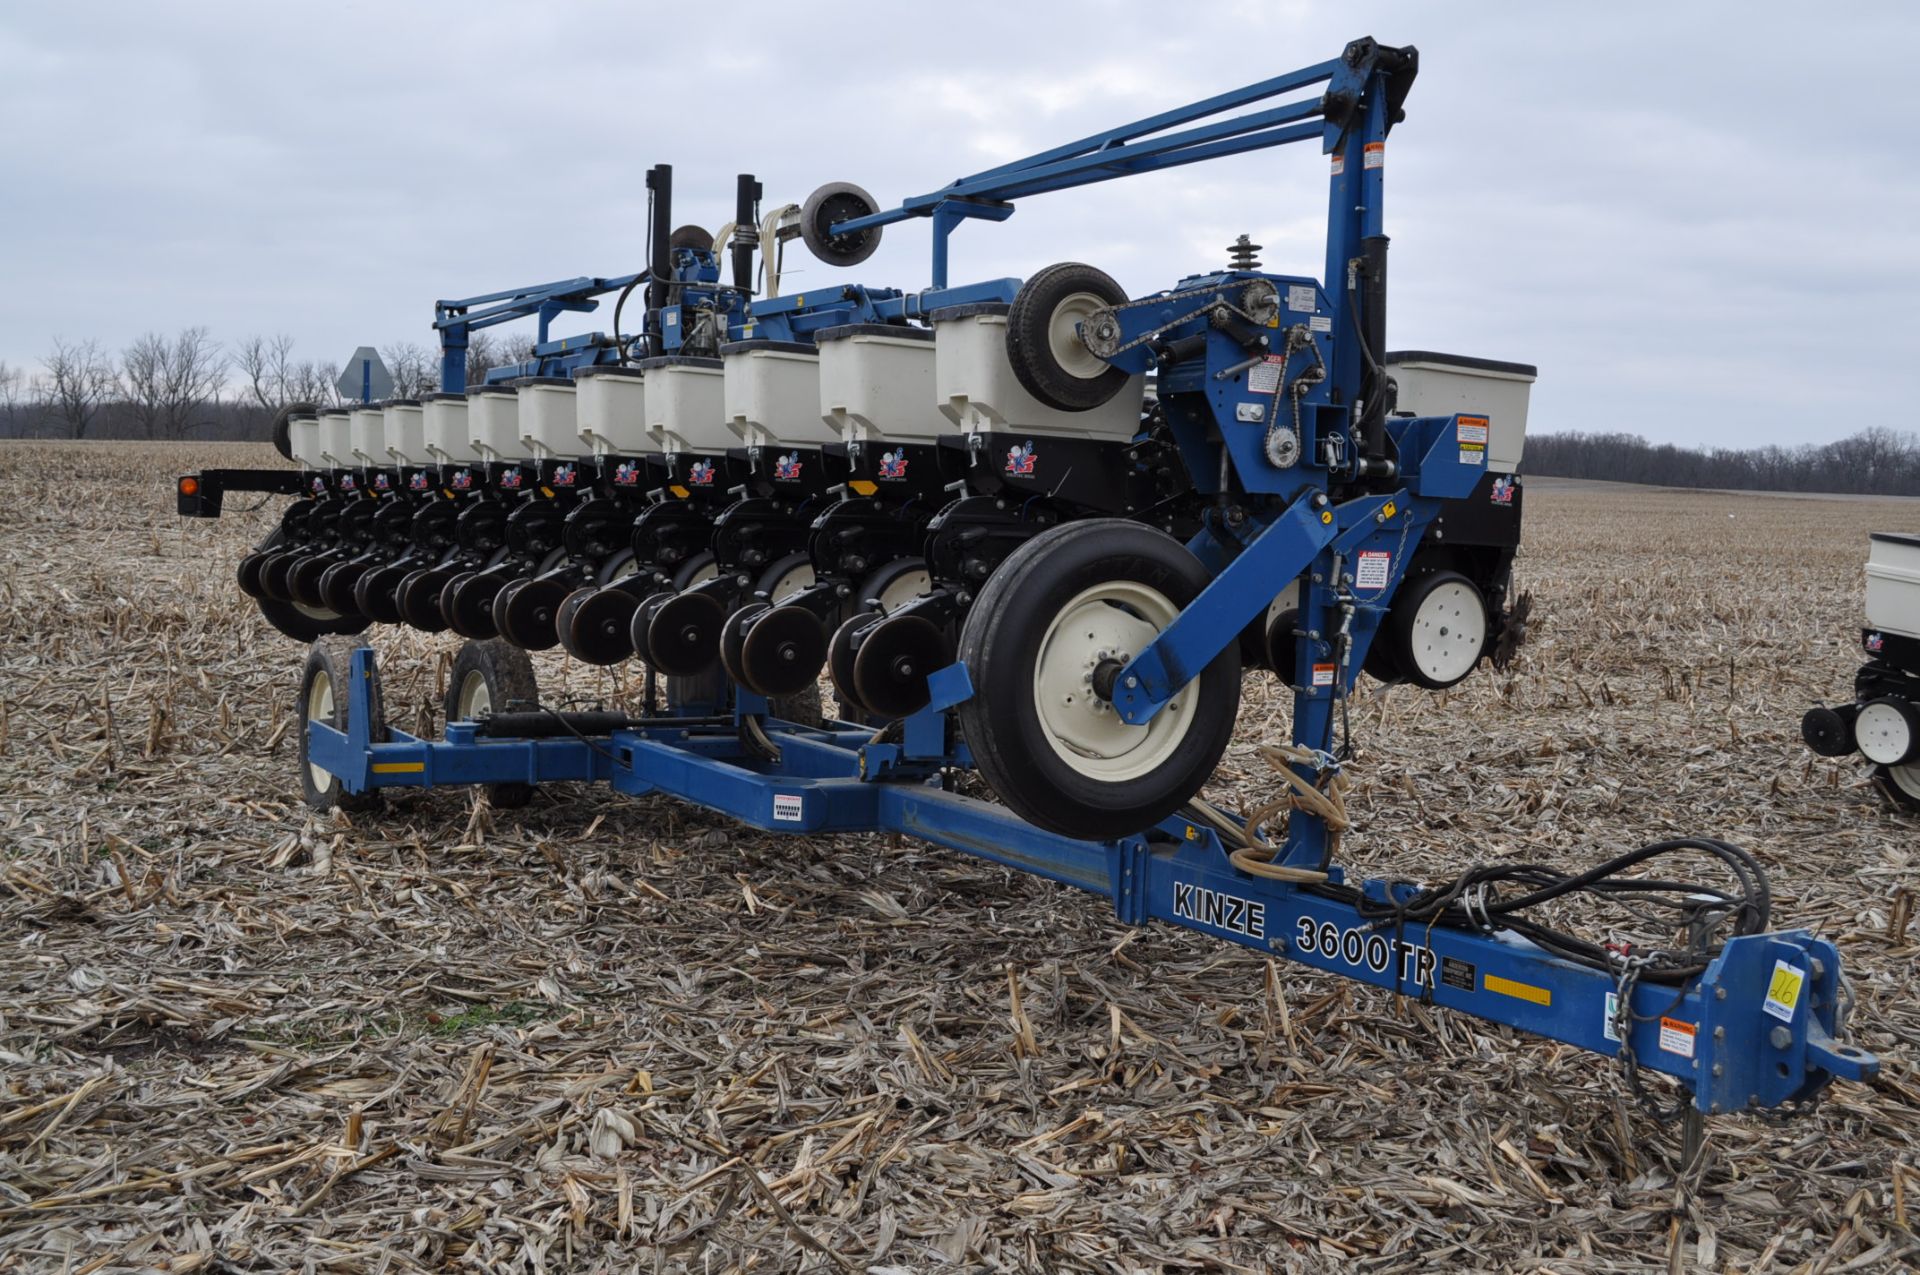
[(612, 1035)]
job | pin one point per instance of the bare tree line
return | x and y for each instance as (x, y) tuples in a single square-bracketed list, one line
[(1875, 462), (190, 386)]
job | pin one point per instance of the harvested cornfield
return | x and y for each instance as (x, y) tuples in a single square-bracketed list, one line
[(608, 1034)]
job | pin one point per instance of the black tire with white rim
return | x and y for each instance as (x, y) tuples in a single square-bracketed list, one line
[(1901, 784), (1887, 731), (1043, 337), (1436, 630), (492, 677), (833, 203), (324, 697), (1064, 608)]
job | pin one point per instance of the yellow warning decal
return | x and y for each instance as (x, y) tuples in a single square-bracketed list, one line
[(680, 492), (863, 487), (399, 767), (1519, 991)]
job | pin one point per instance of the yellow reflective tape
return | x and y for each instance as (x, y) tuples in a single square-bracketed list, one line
[(1519, 991), (862, 487), (399, 767), (680, 492)]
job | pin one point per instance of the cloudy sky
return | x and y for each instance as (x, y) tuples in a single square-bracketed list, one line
[(1700, 221)]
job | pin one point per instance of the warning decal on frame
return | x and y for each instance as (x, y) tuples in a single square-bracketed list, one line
[(1339, 162), (1376, 155), (1373, 569), (1323, 675), (1473, 429), (786, 807), (1265, 376), (1302, 297), (1676, 1036), (1320, 323), (1783, 990), (1607, 1027)]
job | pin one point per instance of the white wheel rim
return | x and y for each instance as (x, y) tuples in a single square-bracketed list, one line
[(790, 583), (1883, 734), (315, 613), (1906, 778), (903, 589), (475, 696), (1063, 336), (1287, 599), (320, 709), (1108, 621), (704, 574), (1449, 631)]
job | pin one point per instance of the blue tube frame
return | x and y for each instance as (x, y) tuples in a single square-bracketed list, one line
[(1758, 1029)]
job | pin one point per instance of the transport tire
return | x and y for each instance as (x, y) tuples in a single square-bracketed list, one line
[(488, 677), (1073, 600), (837, 202), (324, 698), (1045, 348), (1437, 629)]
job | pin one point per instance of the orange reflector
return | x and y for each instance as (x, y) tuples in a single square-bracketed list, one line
[(189, 486)]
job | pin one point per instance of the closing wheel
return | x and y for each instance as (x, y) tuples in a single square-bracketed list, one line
[(683, 635), (840, 653), (891, 666), (418, 598), (782, 652), (274, 571), (832, 203), (733, 637), (597, 628), (467, 603), (374, 594), (1901, 784), (492, 677), (1074, 601), (1829, 731), (249, 572), (1436, 630), (336, 585), (303, 580), (324, 698), (527, 618), (1043, 337)]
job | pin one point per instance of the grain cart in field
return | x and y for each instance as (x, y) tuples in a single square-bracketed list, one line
[(1882, 723), (1059, 521)]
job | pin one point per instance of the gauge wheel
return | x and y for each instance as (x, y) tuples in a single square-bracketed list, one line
[(1901, 784), (785, 578), (418, 599), (1436, 630), (1067, 607), (1043, 337), (308, 624), (489, 677), (324, 698)]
